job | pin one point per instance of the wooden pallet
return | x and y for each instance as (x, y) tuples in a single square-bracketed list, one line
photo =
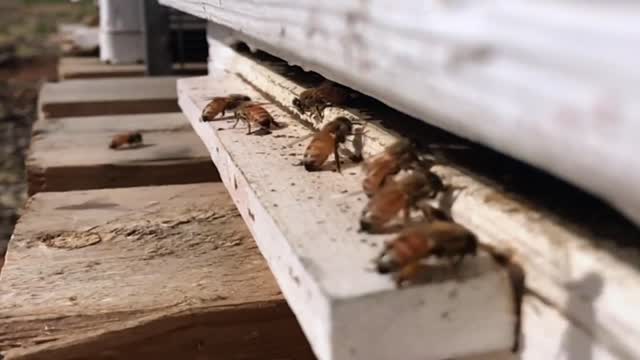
[(161, 272), (117, 96), (73, 153)]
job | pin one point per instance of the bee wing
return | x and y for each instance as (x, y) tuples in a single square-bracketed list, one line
[(348, 195), (260, 103), (305, 137), (449, 146)]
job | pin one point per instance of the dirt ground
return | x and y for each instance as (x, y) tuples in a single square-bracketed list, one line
[(28, 57)]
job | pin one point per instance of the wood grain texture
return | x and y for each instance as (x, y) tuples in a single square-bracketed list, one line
[(518, 76), (167, 272), (306, 227), (92, 97), (582, 276), (73, 153)]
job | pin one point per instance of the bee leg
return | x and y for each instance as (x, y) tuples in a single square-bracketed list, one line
[(455, 264), (336, 155), (248, 127), (458, 261), (408, 272), (407, 214), (237, 121), (319, 111)]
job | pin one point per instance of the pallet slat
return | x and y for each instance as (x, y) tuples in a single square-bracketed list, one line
[(162, 272), (94, 97)]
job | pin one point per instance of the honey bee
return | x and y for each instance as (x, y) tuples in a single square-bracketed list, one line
[(255, 114), (318, 98), (130, 138), (441, 239), (219, 105), (378, 168), (326, 141), (398, 195)]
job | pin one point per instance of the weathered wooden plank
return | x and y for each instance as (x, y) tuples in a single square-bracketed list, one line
[(516, 76), (93, 68), (74, 154), (307, 229), (108, 97), (161, 272), (582, 272)]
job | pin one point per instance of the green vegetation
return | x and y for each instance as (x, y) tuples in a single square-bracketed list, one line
[(29, 24)]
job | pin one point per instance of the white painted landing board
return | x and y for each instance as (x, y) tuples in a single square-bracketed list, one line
[(306, 228)]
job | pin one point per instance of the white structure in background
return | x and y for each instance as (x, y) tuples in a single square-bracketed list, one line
[(121, 31)]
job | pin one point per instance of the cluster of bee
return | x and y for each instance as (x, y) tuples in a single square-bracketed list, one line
[(396, 181), (315, 100)]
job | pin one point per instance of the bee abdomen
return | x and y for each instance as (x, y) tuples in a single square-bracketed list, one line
[(411, 247), (313, 161), (395, 257), (387, 263), (213, 109), (125, 138), (317, 152), (368, 222), (335, 96), (260, 116)]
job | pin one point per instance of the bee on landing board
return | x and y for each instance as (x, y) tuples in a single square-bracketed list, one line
[(251, 113), (325, 142), (441, 239), (318, 98), (396, 196), (219, 105), (378, 168), (133, 138)]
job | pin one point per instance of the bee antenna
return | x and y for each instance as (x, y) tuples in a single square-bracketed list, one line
[(293, 93)]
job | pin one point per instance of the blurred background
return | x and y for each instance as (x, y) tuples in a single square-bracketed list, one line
[(30, 45)]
